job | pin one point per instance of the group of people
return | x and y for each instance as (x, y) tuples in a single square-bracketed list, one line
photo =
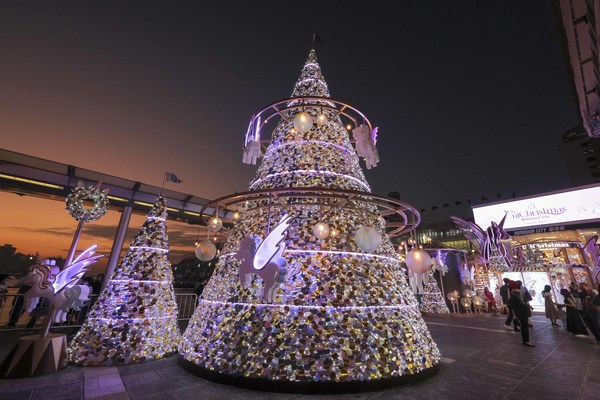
[(580, 309), (583, 309)]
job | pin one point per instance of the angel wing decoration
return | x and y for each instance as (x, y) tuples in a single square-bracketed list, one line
[(495, 234), (273, 246), (592, 249), (69, 276), (439, 266), (62, 290), (264, 258), (472, 232)]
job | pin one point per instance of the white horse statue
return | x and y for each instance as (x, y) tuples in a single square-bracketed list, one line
[(62, 290), (264, 258)]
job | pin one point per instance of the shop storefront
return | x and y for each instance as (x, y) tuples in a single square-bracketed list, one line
[(548, 235)]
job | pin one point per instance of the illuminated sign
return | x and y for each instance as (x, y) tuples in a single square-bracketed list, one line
[(552, 209)]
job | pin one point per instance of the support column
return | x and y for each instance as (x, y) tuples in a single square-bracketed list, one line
[(117, 245)]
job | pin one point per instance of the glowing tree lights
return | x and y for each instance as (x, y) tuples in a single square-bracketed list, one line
[(432, 301), (135, 317), (333, 313)]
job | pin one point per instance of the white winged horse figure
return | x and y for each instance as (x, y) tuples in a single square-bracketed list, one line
[(264, 258), (439, 266), (61, 289)]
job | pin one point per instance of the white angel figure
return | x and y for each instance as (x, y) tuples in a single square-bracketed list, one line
[(439, 266), (251, 152), (416, 282), (62, 290), (365, 145), (264, 258)]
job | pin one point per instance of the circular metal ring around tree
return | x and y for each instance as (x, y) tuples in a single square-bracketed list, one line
[(285, 109), (400, 217)]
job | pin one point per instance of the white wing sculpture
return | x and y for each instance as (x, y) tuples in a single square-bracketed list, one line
[(439, 266), (264, 258), (69, 276), (472, 232), (273, 246), (62, 290)]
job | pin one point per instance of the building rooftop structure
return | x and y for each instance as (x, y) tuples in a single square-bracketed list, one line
[(579, 32), (26, 175)]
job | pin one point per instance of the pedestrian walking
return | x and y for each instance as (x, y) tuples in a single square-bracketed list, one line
[(505, 293), (521, 311), (550, 305)]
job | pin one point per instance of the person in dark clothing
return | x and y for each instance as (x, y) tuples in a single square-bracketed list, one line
[(96, 283), (505, 294), (574, 323), (521, 310), (590, 312), (526, 296)]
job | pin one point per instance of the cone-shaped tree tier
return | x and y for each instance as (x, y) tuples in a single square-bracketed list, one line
[(342, 319), (135, 317), (433, 301)]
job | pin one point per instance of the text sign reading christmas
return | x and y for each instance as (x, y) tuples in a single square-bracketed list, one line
[(553, 209)]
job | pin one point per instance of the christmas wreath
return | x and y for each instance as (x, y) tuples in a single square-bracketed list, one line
[(81, 193)]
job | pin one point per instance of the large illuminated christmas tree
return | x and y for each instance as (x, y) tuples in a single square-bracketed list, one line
[(135, 317), (341, 316)]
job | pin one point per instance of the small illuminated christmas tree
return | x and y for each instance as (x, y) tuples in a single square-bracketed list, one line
[(135, 317), (432, 301)]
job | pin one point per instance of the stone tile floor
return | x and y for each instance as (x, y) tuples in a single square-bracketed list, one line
[(482, 360)]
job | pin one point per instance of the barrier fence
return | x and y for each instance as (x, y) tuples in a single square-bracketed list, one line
[(14, 317)]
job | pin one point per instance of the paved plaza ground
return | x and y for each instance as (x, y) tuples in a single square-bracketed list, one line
[(482, 360)]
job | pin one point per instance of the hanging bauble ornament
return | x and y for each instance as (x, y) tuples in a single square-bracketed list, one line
[(206, 250), (418, 261), (236, 216), (215, 223), (334, 232), (382, 220), (321, 230), (303, 122), (321, 119), (367, 238)]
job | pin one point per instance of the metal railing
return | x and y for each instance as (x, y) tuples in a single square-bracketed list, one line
[(14, 317)]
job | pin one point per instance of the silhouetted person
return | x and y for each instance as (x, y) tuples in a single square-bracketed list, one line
[(506, 294), (521, 310), (590, 313)]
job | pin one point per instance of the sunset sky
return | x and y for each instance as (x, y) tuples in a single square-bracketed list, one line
[(471, 98)]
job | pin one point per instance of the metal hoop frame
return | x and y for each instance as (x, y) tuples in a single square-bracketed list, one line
[(260, 119), (323, 197)]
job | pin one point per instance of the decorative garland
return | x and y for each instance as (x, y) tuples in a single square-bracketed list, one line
[(92, 193)]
